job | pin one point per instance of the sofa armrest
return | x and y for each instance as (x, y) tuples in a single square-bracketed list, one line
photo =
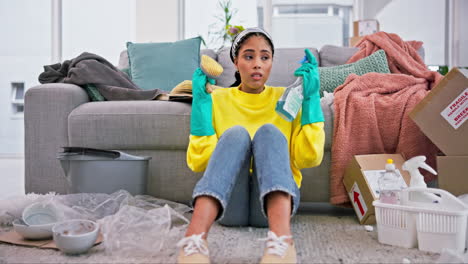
[(46, 110)]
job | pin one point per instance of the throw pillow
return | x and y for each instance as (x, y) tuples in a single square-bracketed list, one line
[(93, 92), (332, 77), (163, 65)]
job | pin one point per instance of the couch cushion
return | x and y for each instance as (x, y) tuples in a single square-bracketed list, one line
[(333, 55), (140, 125), (285, 62), (163, 65), (130, 125), (209, 52)]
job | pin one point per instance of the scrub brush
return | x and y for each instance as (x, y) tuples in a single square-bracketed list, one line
[(212, 69)]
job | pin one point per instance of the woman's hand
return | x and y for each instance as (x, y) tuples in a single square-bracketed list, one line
[(201, 123), (311, 109), (209, 88)]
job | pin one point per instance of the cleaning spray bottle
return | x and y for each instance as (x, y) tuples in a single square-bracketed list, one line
[(417, 180), (291, 101), (390, 184)]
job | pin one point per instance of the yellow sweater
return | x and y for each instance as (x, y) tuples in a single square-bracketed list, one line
[(233, 107)]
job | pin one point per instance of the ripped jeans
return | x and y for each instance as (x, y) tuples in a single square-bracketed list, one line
[(228, 179)]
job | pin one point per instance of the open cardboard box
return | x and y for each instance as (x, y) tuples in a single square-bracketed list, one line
[(443, 117), (361, 182)]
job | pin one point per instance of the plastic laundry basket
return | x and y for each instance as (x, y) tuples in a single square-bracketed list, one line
[(103, 171)]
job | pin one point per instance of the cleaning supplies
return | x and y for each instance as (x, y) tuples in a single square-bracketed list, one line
[(291, 101), (210, 67), (417, 180), (304, 92), (412, 166), (390, 184), (201, 123)]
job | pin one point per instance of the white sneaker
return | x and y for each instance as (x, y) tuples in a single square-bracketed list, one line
[(194, 249), (278, 250)]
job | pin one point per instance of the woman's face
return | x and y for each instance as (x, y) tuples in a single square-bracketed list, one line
[(254, 61)]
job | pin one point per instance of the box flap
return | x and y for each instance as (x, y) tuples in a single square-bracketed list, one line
[(443, 114), (453, 174)]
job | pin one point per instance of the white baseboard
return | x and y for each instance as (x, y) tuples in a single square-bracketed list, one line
[(11, 156)]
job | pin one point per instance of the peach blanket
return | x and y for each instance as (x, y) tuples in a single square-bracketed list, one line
[(371, 111)]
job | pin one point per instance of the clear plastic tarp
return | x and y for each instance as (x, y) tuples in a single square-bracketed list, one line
[(130, 225)]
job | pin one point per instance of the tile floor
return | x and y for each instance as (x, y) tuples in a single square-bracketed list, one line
[(11, 175)]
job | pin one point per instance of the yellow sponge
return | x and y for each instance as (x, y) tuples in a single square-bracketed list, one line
[(210, 67)]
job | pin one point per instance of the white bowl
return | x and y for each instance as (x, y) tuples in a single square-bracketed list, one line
[(75, 236), (33, 232), (39, 214)]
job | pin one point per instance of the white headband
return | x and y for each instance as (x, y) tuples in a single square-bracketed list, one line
[(240, 37)]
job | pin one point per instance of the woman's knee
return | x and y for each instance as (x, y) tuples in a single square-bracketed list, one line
[(268, 131), (237, 133)]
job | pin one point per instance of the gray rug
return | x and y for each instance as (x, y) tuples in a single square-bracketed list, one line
[(321, 236)]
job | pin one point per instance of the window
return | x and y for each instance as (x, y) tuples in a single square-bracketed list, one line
[(308, 24)]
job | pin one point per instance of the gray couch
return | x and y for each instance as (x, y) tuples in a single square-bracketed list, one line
[(60, 114)]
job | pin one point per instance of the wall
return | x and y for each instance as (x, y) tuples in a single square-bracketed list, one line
[(102, 27), (463, 33), (157, 20), (422, 20)]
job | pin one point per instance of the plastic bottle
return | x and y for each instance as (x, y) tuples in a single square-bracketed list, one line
[(291, 101), (390, 184)]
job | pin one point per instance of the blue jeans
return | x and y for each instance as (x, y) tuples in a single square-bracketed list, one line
[(228, 179)]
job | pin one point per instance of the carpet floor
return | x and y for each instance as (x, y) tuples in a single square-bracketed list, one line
[(322, 237)]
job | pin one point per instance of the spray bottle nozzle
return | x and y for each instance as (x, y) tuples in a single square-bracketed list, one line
[(412, 166)]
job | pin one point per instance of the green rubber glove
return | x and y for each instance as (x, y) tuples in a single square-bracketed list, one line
[(311, 110), (201, 123)]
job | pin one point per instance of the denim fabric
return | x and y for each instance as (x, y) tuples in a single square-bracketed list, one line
[(228, 179)]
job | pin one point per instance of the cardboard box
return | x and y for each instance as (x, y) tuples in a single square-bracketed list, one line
[(365, 27), (443, 117), (360, 180), (443, 114), (453, 174), (354, 40)]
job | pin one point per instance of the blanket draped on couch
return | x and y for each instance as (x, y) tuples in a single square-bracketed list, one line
[(371, 111), (92, 69)]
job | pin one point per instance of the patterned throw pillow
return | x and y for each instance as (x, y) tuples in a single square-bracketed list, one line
[(332, 77)]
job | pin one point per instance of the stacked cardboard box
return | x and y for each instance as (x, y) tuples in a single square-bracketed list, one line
[(443, 117), (362, 28)]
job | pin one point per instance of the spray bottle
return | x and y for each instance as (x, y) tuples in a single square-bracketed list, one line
[(291, 101), (390, 184), (417, 180)]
